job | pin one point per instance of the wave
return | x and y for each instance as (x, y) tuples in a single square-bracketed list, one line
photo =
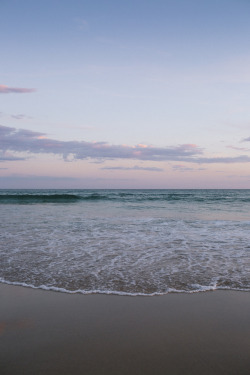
[(137, 196), (38, 198)]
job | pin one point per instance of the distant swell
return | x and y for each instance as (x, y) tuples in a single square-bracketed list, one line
[(38, 198), (138, 197)]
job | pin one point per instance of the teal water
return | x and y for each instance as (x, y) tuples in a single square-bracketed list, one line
[(134, 242)]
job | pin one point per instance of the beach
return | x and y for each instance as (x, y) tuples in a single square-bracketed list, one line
[(45, 332)]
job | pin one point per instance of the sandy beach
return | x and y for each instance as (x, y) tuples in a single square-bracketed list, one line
[(45, 332)]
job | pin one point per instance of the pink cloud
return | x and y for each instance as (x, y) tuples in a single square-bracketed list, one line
[(17, 90), (23, 140)]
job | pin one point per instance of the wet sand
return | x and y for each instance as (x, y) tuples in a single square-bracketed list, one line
[(49, 333)]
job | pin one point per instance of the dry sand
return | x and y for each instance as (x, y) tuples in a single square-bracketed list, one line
[(49, 333)]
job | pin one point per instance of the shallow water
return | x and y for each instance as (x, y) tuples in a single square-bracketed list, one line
[(126, 241)]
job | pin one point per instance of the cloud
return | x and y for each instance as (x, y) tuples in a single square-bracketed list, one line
[(238, 148), (7, 90), (82, 24), (20, 117), (10, 158), (183, 168), (223, 159), (246, 139), (23, 140), (135, 168), (6, 156)]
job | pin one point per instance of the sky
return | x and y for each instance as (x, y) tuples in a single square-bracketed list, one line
[(125, 94)]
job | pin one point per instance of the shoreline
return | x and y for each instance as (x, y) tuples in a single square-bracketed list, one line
[(47, 332), (203, 289)]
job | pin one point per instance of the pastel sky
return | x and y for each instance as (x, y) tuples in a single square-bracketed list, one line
[(125, 94)]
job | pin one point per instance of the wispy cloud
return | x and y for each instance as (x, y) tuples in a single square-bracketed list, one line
[(17, 90), (246, 139), (23, 140), (183, 168), (134, 168), (20, 117), (82, 24), (238, 148), (223, 160)]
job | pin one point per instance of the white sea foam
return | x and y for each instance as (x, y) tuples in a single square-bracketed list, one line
[(199, 289)]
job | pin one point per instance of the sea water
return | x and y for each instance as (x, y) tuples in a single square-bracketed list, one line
[(128, 242)]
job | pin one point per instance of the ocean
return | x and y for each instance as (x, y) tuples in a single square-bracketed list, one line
[(126, 242)]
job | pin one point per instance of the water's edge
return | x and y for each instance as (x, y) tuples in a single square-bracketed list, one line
[(202, 289)]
